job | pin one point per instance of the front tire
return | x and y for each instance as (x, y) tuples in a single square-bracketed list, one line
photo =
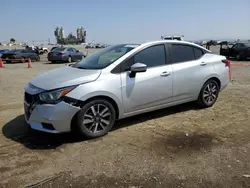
[(208, 94), (96, 118)]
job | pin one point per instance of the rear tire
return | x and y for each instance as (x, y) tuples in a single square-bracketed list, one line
[(238, 57), (69, 59), (23, 60), (96, 118), (208, 94), (38, 58)]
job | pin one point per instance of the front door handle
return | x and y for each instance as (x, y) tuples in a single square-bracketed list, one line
[(203, 63), (165, 73)]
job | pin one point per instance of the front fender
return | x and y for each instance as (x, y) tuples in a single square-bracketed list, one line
[(105, 94)]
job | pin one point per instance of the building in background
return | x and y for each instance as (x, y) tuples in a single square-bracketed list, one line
[(70, 39), (81, 35)]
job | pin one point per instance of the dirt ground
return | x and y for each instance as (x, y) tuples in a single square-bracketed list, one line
[(182, 146)]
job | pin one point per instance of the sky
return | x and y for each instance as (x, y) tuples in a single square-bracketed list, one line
[(118, 21)]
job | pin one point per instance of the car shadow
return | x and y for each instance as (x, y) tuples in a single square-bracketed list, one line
[(155, 114), (19, 131)]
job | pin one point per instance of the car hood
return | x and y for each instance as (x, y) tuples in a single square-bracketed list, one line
[(63, 77)]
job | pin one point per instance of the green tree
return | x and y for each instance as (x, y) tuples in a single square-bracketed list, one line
[(12, 40)]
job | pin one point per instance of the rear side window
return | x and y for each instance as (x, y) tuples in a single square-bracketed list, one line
[(197, 53), (58, 49), (23, 51), (152, 56), (182, 53)]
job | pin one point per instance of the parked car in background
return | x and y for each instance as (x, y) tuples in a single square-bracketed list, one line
[(172, 37), (100, 46), (239, 51), (90, 45), (20, 55), (121, 81), (3, 51), (65, 54), (54, 47)]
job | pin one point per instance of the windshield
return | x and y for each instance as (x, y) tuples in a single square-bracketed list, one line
[(58, 49), (105, 57)]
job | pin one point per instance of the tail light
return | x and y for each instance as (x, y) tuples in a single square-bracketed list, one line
[(228, 64), (60, 53)]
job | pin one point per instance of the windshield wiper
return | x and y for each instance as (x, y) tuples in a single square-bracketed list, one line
[(80, 67)]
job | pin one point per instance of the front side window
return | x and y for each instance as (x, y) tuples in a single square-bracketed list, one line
[(24, 51), (152, 56), (104, 57), (182, 53), (197, 53)]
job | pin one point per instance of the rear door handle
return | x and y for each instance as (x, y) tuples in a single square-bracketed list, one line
[(203, 63), (165, 73)]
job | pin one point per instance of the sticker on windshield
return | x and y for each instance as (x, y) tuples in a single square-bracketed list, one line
[(131, 45)]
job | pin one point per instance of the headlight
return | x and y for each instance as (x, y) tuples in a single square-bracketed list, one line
[(55, 96)]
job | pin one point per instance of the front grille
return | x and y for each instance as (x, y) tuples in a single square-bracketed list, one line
[(26, 111), (48, 126), (30, 98), (31, 101)]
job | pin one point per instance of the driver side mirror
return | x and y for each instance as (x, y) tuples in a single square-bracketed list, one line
[(137, 67)]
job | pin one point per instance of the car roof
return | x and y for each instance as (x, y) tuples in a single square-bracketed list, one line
[(173, 41)]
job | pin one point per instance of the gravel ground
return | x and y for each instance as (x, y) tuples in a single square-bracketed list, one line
[(180, 146)]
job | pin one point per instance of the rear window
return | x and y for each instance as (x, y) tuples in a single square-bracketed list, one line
[(58, 49)]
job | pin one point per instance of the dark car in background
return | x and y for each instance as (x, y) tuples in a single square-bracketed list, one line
[(239, 51), (20, 55), (65, 54), (3, 51)]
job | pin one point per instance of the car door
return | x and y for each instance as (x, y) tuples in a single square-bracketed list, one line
[(242, 50), (190, 69), (72, 54), (25, 54), (78, 54), (234, 50), (147, 89), (31, 54)]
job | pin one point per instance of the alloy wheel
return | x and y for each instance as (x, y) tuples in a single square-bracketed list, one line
[(69, 59), (97, 118), (210, 93)]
